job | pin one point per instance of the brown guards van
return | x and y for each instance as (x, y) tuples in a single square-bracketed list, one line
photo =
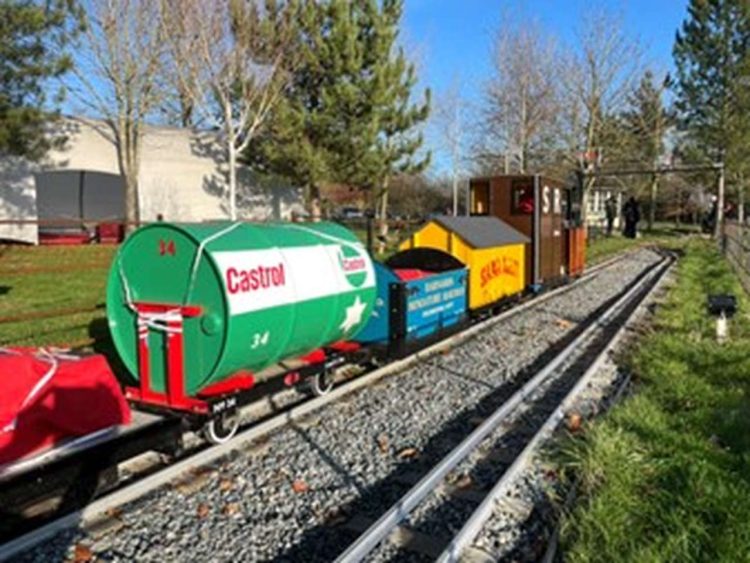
[(542, 209)]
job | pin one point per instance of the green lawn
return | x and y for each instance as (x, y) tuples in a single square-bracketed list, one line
[(38, 282), (602, 247), (665, 476)]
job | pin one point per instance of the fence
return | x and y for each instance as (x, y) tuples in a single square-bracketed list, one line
[(735, 244)]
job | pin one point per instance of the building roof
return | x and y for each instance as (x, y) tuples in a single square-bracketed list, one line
[(482, 231)]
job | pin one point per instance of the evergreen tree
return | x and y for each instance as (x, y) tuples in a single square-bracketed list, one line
[(347, 115), (32, 34), (646, 121), (710, 52)]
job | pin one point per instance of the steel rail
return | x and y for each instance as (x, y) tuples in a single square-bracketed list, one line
[(387, 523), (101, 506), (476, 521)]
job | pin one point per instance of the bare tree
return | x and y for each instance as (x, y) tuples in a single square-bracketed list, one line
[(227, 60), (116, 77), (450, 121), (521, 99), (598, 75)]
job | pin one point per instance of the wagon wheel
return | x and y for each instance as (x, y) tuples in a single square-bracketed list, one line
[(221, 429), (320, 383)]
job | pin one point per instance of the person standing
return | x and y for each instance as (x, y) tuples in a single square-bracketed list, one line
[(632, 214), (610, 212)]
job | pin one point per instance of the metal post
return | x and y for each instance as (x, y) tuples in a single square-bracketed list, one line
[(719, 227), (455, 195)]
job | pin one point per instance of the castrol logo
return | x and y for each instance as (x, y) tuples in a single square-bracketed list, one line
[(259, 279), (254, 279), (354, 265)]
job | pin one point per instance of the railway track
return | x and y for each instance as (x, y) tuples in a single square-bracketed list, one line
[(96, 512), (520, 425)]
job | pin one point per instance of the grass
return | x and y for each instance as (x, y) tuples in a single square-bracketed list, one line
[(35, 281), (602, 247), (665, 476)]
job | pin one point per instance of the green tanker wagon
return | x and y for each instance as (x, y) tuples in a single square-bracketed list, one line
[(201, 302)]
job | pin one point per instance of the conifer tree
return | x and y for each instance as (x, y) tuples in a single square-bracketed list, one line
[(646, 121), (347, 114), (710, 53), (32, 37)]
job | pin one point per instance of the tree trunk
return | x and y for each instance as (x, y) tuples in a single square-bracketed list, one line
[(652, 204), (311, 196), (131, 201), (128, 164), (315, 210), (232, 181), (383, 218)]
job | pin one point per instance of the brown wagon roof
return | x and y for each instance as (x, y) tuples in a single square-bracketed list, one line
[(482, 231)]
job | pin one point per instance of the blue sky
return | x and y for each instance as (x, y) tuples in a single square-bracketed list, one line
[(453, 38)]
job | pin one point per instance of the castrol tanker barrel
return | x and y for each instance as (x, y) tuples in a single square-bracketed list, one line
[(265, 293)]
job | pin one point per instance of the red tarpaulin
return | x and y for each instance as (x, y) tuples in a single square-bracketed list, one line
[(46, 397), (409, 274)]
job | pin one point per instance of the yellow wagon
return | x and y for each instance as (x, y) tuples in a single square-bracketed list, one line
[(494, 252)]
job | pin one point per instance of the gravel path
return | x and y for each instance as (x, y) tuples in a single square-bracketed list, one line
[(293, 496)]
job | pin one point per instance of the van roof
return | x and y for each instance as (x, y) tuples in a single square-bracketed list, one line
[(481, 231)]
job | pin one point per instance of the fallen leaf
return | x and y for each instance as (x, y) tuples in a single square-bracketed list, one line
[(573, 422), (407, 453), (226, 485), (230, 509), (82, 553), (203, 510), (382, 441), (563, 323), (114, 512), (299, 486)]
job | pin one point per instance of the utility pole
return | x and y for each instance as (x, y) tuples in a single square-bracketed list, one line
[(455, 194), (719, 227), (456, 141)]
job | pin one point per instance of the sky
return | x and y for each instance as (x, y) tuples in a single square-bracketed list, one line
[(451, 40)]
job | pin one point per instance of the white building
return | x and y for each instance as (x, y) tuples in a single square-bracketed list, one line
[(596, 215), (182, 178)]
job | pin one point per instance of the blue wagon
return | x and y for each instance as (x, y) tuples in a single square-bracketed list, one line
[(422, 296)]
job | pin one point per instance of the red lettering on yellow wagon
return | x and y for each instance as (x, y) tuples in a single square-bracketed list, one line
[(498, 267), (260, 277)]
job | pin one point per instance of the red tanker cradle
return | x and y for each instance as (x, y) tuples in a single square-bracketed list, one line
[(48, 397)]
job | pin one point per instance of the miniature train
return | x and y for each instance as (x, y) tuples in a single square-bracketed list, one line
[(207, 317)]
